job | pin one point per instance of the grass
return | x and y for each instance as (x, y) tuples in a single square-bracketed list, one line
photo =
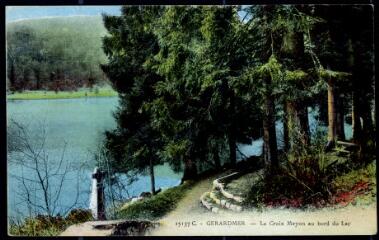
[(40, 94), (156, 206)]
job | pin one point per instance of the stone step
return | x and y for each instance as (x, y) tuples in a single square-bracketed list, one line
[(207, 202), (223, 202), (219, 184)]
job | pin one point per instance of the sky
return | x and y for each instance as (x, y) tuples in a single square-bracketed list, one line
[(30, 12)]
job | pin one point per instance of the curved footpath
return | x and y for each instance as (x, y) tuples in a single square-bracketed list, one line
[(190, 204), (190, 217)]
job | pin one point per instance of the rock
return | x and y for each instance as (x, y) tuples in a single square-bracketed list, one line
[(238, 208), (215, 210), (136, 199), (133, 228), (111, 228)]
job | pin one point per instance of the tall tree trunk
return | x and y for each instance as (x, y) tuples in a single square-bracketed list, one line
[(355, 113), (12, 79), (332, 124), (368, 127), (202, 152), (297, 112), (38, 79), (152, 178), (368, 136), (363, 130), (232, 132), (304, 123), (340, 118), (269, 131), (216, 157), (26, 80), (298, 125), (190, 170), (232, 148), (285, 127), (355, 118)]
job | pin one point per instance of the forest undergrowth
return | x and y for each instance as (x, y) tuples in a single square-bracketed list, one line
[(316, 179)]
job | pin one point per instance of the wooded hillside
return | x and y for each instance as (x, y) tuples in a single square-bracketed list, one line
[(61, 53)]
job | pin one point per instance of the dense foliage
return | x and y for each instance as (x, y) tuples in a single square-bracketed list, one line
[(195, 81), (54, 53)]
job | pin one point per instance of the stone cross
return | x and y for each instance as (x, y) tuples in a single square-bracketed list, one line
[(100, 208)]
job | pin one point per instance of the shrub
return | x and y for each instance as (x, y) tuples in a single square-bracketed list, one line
[(42, 225), (79, 216), (313, 177), (255, 197), (155, 206)]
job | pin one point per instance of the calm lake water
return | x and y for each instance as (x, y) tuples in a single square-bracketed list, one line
[(255, 148), (80, 124)]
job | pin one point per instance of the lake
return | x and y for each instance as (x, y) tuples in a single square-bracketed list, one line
[(80, 124), (255, 148)]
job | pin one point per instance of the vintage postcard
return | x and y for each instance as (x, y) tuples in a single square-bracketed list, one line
[(190, 120)]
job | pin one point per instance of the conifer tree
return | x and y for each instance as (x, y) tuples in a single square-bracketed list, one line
[(129, 45)]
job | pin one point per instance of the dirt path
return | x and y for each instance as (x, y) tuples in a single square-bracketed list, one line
[(190, 203), (88, 229)]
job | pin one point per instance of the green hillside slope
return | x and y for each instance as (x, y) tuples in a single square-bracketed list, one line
[(61, 53)]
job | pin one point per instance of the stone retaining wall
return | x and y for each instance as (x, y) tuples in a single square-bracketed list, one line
[(220, 183), (224, 203), (207, 204)]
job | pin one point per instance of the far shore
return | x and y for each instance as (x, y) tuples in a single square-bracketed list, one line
[(81, 93)]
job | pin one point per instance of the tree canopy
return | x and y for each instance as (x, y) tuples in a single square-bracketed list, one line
[(196, 81)]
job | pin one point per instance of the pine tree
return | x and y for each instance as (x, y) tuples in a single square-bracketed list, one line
[(129, 46)]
